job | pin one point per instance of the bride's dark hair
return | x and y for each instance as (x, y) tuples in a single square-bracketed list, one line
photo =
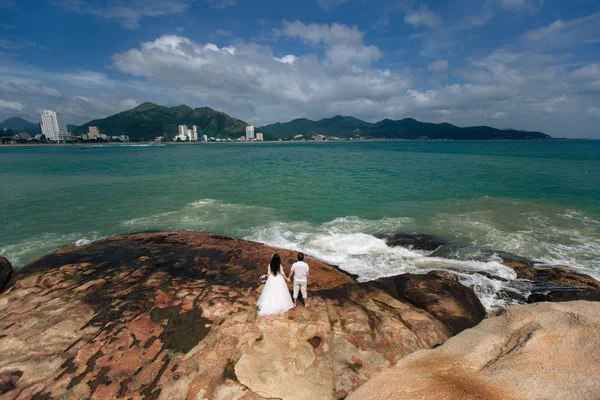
[(275, 264)]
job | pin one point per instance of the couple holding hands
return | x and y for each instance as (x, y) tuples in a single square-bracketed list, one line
[(275, 297)]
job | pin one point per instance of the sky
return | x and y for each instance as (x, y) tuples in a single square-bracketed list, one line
[(522, 64)]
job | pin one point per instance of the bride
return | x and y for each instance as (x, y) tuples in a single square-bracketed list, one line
[(275, 297)]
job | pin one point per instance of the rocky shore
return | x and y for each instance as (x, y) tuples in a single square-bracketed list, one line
[(172, 315)]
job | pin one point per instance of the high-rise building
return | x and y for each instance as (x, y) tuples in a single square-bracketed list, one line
[(93, 132), (259, 136), (249, 132), (194, 133), (54, 126), (182, 130)]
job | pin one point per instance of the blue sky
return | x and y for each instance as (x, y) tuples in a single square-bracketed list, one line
[(524, 64)]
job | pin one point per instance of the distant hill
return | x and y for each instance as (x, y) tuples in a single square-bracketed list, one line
[(407, 128), (150, 120), (17, 124)]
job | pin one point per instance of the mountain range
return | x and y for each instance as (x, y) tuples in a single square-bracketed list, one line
[(149, 120), (407, 128)]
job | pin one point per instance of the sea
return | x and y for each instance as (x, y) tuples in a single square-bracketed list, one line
[(332, 200)]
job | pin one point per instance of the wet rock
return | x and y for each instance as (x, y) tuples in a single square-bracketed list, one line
[(6, 271), (537, 351), (173, 315), (452, 303), (416, 241), (564, 295), (565, 276)]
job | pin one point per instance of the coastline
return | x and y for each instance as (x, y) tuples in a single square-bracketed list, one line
[(293, 141), (171, 314)]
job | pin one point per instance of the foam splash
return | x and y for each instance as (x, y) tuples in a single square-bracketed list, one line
[(20, 253), (552, 236)]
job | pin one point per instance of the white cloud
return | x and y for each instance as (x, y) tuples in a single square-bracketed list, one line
[(589, 72), (343, 45), (313, 84), (566, 33), (127, 13), (31, 89), (531, 6), (7, 105), (223, 32), (222, 3), (423, 16), (289, 59), (497, 115), (438, 66), (323, 33), (15, 44)]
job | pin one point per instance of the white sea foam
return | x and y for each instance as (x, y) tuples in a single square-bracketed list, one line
[(567, 237), (20, 253)]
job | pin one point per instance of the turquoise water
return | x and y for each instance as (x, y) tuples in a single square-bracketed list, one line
[(538, 199)]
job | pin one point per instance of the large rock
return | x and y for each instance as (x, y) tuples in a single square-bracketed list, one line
[(173, 316), (440, 294), (538, 351), (6, 271)]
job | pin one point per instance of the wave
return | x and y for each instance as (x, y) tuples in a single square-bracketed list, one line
[(23, 252), (550, 236)]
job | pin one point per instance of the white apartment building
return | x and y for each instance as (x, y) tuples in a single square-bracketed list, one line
[(259, 137), (182, 130), (54, 126), (249, 132), (186, 134)]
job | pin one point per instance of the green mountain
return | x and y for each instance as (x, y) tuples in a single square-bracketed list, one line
[(149, 120), (407, 128)]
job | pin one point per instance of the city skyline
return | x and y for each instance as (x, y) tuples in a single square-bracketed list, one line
[(523, 64)]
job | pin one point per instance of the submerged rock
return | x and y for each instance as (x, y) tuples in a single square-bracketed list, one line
[(538, 351), (416, 241), (6, 271), (173, 316), (564, 295)]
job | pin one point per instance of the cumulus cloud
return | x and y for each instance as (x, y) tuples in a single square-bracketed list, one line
[(343, 45), (128, 13), (423, 17), (253, 70), (289, 59)]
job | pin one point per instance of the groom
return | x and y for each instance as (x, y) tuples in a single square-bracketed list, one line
[(300, 273)]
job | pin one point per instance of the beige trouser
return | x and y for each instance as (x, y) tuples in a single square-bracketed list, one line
[(300, 286)]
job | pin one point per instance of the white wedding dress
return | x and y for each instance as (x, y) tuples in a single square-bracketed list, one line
[(275, 297)]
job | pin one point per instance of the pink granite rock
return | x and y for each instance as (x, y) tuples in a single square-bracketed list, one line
[(173, 316)]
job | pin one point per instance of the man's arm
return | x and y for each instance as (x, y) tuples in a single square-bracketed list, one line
[(291, 272)]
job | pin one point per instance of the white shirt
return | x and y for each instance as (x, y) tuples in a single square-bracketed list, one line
[(300, 271)]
